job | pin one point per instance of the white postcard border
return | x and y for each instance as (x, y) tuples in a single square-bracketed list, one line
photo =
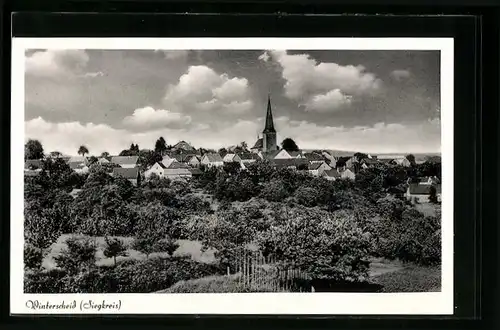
[(436, 303)]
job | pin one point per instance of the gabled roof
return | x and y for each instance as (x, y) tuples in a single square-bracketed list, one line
[(177, 165), (213, 157), (124, 160), (258, 144), (315, 166), (420, 189), (183, 145), (271, 154), (159, 164), (312, 156), (36, 163), (293, 153), (168, 162), (190, 157), (331, 173), (248, 156), (127, 173), (229, 157)]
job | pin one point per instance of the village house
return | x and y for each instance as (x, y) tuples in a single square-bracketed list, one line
[(157, 168), (369, 163), (402, 162), (125, 161), (313, 157), (231, 158), (131, 174), (193, 160), (331, 175), (103, 160), (211, 160), (283, 154), (295, 164), (318, 168), (247, 157), (80, 168), (348, 174), (420, 192)]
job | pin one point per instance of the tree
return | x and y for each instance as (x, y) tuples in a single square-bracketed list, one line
[(114, 248), (77, 253), (33, 256), (104, 154), (144, 245), (360, 156), (326, 245), (160, 146), (433, 195), (83, 150), (411, 159), (55, 154), (33, 149), (289, 145)]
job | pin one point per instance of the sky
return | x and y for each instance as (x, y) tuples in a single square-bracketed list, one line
[(366, 101)]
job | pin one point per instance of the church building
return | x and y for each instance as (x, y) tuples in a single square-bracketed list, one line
[(268, 141)]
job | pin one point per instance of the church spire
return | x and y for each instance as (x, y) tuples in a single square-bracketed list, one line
[(269, 128)]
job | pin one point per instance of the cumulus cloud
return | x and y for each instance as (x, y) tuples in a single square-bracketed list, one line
[(306, 80), (381, 137), (400, 75), (148, 118), (203, 89), (328, 102), (52, 62)]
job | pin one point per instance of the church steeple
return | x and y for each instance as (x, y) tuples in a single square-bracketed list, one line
[(269, 128)]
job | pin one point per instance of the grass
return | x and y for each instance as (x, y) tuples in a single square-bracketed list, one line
[(411, 278), (186, 248), (214, 284), (428, 209)]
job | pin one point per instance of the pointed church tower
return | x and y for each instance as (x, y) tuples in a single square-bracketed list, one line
[(269, 133)]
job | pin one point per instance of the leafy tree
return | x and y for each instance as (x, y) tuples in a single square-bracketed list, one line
[(289, 145), (274, 191), (40, 229), (144, 245), (92, 160), (160, 146), (325, 245), (33, 256), (33, 150), (260, 171), (55, 154), (83, 150), (114, 248), (232, 168), (411, 159), (360, 156), (157, 221), (433, 195), (78, 253), (165, 245), (104, 154)]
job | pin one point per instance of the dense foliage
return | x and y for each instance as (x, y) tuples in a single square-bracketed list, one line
[(329, 229)]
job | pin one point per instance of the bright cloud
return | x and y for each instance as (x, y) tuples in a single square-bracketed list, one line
[(400, 75), (149, 118), (381, 137), (202, 89), (54, 62), (328, 102), (174, 54), (311, 82)]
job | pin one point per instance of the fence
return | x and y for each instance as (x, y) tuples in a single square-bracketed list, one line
[(261, 273)]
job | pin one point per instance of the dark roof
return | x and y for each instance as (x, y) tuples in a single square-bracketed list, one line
[(214, 157), (248, 156), (127, 173), (190, 157), (258, 144), (36, 163), (312, 156), (332, 173), (420, 189), (315, 166), (195, 171), (183, 145), (269, 128), (161, 164), (177, 165), (124, 160), (280, 163)]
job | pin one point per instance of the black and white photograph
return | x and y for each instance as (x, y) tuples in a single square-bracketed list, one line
[(248, 170)]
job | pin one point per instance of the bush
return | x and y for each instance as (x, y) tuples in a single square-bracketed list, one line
[(213, 284), (78, 253), (411, 279), (44, 281), (274, 191)]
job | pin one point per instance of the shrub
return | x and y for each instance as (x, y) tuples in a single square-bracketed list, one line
[(114, 248), (44, 281), (307, 196), (411, 279), (274, 191), (214, 284)]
